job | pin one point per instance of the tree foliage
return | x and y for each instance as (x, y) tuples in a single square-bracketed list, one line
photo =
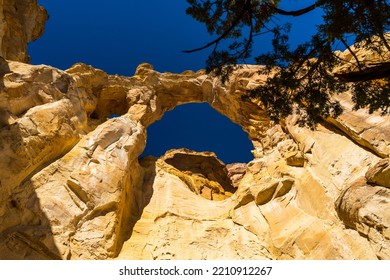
[(305, 79)]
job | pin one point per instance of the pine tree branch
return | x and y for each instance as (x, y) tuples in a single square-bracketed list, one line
[(353, 54), (379, 71), (295, 13), (236, 21)]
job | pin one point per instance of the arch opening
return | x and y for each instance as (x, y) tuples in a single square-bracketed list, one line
[(199, 127), (202, 147)]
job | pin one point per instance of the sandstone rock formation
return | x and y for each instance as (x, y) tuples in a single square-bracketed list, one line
[(72, 185), (21, 21)]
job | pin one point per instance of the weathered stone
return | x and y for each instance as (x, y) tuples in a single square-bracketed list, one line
[(371, 131), (235, 172), (172, 222), (44, 119), (295, 158), (203, 173), (333, 159), (380, 173), (366, 209), (93, 195), (72, 186), (80, 200), (268, 191), (22, 21)]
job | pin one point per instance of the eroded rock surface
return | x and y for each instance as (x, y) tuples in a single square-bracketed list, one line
[(72, 185), (21, 21)]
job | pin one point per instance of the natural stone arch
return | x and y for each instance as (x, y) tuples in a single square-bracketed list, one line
[(66, 183), (160, 92), (146, 96), (100, 179)]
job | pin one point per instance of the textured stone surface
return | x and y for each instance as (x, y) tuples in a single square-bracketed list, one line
[(72, 185), (176, 223), (76, 205), (366, 209), (236, 172), (203, 173), (380, 173), (370, 131), (21, 21)]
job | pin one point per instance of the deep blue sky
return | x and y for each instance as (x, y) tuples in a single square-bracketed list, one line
[(118, 35)]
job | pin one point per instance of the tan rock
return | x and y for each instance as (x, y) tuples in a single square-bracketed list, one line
[(366, 209), (203, 173), (333, 159), (295, 158), (78, 203), (235, 172), (173, 222), (22, 21), (84, 199), (44, 119), (89, 82), (268, 191), (371, 131), (380, 173), (72, 186), (363, 55)]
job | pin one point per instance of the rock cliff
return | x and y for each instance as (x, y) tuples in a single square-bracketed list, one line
[(21, 21), (72, 185)]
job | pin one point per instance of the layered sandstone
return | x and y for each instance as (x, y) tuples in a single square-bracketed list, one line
[(72, 185)]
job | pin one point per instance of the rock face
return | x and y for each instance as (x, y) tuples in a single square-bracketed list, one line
[(72, 185), (21, 21)]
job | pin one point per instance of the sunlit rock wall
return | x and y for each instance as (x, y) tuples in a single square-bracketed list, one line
[(72, 185), (21, 21)]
